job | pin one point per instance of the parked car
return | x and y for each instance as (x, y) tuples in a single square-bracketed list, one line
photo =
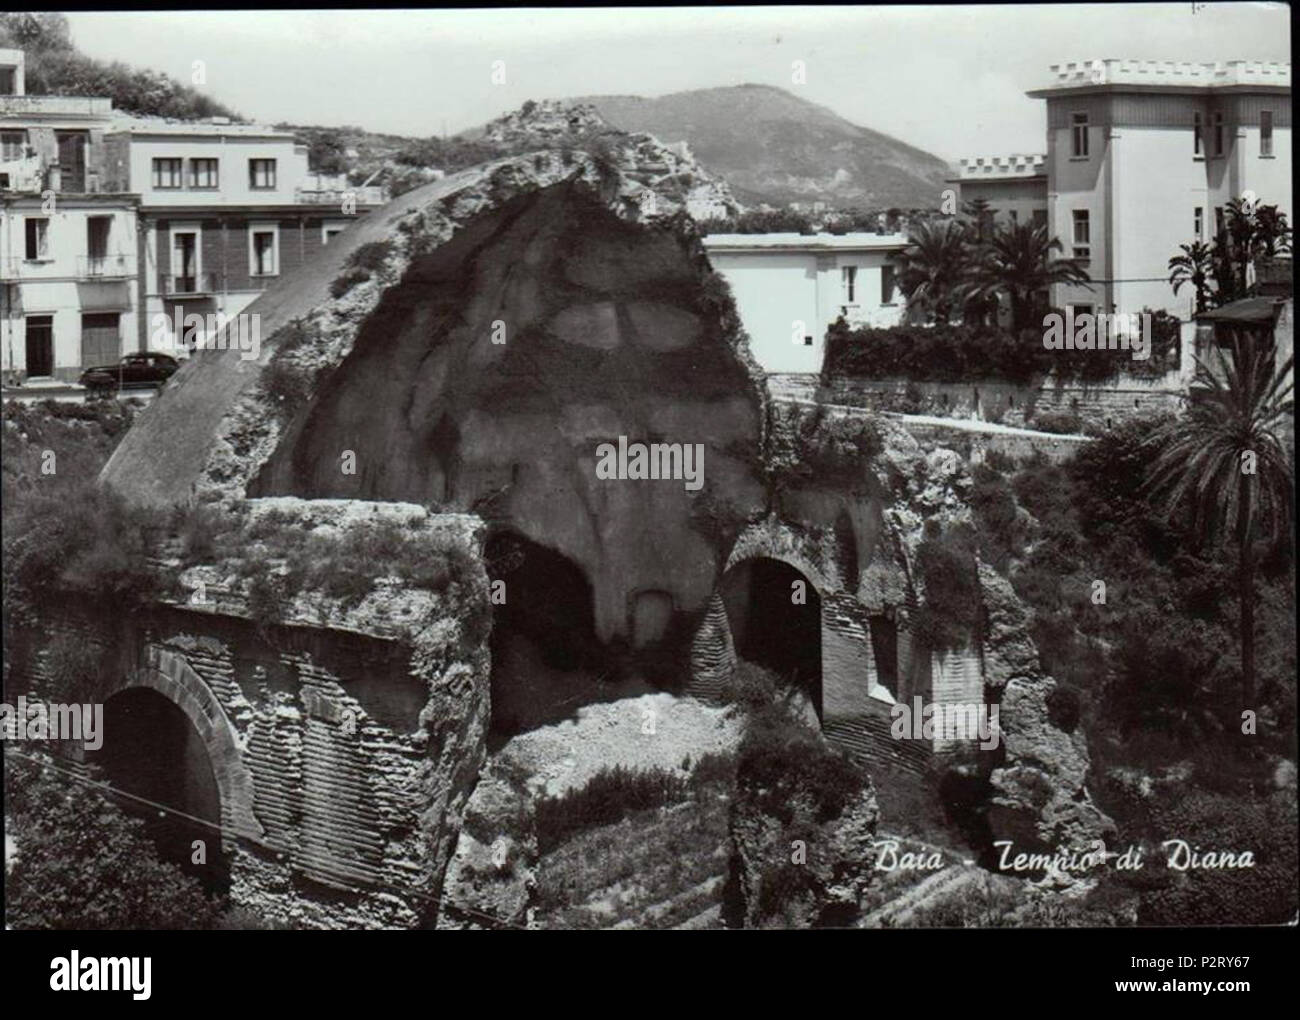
[(134, 371)]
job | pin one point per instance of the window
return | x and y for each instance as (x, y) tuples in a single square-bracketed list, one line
[(1266, 132), (1198, 135), (8, 81), (849, 283), (1040, 217), (97, 233), (262, 254), (261, 174), (886, 285), (1081, 310), (13, 145), (1079, 134), (1082, 235), (38, 238), (203, 173), (1198, 224), (1218, 134), (1218, 220), (167, 173), (186, 259), (328, 231)]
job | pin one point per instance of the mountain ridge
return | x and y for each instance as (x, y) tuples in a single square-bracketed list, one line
[(774, 146)]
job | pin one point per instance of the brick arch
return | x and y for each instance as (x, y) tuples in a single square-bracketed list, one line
[(167, 673), (777, 542)]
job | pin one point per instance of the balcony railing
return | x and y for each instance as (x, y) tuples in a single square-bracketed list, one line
[(105, 267), (369, 195), (194, 283)]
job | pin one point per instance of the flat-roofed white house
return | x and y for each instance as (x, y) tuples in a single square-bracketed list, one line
[(789, 288)]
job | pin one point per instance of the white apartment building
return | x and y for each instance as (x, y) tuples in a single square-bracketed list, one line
[(225, 210), (1144, 155), (111, 224), (67, 243), (1014, 186), (789, 288)]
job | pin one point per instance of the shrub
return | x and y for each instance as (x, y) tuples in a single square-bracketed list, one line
[(82, 864), (949, 617), (781, 763), (371, 256), (940, 353), (608, 797), (751, 686), (288, 386), (1059, 422), (1064, 708), (815, 446), (349, 279), (80, 540), (1263, 894)]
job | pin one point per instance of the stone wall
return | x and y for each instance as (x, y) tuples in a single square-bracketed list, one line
[(343, 757), (1099, 405)]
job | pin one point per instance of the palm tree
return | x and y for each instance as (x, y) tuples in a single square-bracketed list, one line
[(1224, 464), (1195, 266), (1017, 261), (1251, 232), (932, 266)]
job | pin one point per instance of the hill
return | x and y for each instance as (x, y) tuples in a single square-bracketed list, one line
[(773, 146), (55, 67)]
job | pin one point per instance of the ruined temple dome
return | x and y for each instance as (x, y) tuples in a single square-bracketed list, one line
[(603, 328)]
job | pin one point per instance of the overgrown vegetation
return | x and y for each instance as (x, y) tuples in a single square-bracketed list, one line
[(56, 68), (63, 535), (82, 864), (949, 616), (290, 378), (968, 352), (608, 797), (817, 445), (362, 265), (1147, 666)]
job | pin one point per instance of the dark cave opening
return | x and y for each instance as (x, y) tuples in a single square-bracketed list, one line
[(546, 660), (775, 617), (151, 750)]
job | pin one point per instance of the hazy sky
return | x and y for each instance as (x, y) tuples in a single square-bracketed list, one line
[(949, 79)]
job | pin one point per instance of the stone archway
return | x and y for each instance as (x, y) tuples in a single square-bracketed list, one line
[(774, 615), (168, 674)]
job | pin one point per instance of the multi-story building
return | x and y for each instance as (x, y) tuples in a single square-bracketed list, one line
[(1143, 156), (225, 209), (790, 287), (113, 224), (67, 242), (1015, 187)]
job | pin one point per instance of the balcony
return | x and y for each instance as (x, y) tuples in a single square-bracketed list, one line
[(105, 267), (194, 285), (363, 196)]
